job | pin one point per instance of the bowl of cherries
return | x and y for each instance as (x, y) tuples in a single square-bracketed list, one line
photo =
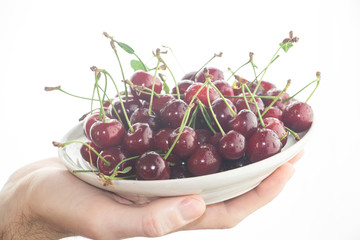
[(209, 135)]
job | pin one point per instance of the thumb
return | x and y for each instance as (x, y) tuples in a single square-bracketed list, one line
[(164, 215)]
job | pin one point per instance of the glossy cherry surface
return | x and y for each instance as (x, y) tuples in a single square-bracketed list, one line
[(245, 123), (205, 160), (187, 142), (216, 74), (141, 115), (262, 144), (89, 155), (232, 146), (114, 155), (277, 126), (298, 116), (143, 79), (107, 134), (202, 95), (139, 141), (151, 166), (173, 113)]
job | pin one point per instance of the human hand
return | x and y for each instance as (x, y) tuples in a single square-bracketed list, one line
[(45, 201)]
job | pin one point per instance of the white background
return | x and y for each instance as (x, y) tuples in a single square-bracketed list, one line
[(49, 43)]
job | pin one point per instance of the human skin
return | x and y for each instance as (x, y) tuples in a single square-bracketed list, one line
[(44, 200)]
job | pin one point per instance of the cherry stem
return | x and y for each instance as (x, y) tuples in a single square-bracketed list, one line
[(102, 112), (256, 106), (223, 98), (121, 68), (212, 111), (265, 69), (192, 120), (233, 73), (296, 136), (121, 102), (215, 55), (181, 129), (153, 87), (62, 145), (48, 89), (206, 116), (245, 98), (317, 80), (277, 97), (172, 75), (126, 170)]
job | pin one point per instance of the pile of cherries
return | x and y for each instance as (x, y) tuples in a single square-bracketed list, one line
[(203, 126)]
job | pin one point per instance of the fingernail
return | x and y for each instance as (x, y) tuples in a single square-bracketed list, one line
[(191, 208)]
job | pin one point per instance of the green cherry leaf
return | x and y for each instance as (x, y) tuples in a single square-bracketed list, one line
[(137, 65), (126, 47), (286, 46)]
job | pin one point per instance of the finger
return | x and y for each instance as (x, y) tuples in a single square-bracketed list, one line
[(229, 213), (155, 219)]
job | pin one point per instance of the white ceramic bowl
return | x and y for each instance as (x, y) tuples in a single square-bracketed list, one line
[(212, 188)]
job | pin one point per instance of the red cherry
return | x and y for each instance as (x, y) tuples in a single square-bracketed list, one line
[(130, 106), (245, 123), (107, 134), (187, 142), (277, 126), (273, 112), (222, 112), (88, 122), (183, 86), (152, 166), (205, 160), (159, 102), (216, 74), (189, 76), (141, 115), (241, 104), (232, 146), (139, 141), (89, 155), (280, 102), (262, 144), (202, 95), (161, 139), (298, 116), (267, 86), (225, 88), (114, 155), (141, 78), (173, 113)]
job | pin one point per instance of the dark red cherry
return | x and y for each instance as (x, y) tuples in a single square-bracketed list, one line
[(273, 112), (143, 79), (277, 126), (280, 102), (222, 112), (202, 95), (89, 155), (266, 86), (187, 142), (141, 115), (161, 139), (298, 116), (262, 144), (189, 76), (203, 135), (114, 155), (214, 139), (173, 113), (152, 166), (107, 134), (88, 122), (180, 171), (183, 86), (216, 74), (139, 141), (233, 164), (160, 102), (130, 106), (232, 146), (205, 160), (225, 88), (245, 123), (241, 104)]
